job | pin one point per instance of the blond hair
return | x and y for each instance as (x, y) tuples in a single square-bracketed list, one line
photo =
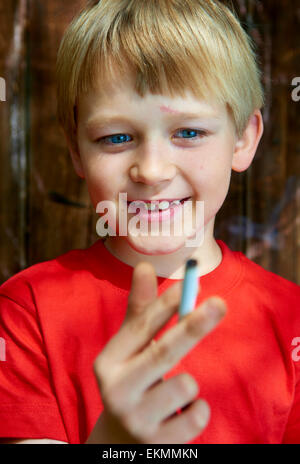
[(171, 46)]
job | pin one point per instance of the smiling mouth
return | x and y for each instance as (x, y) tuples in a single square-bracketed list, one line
[(157, 205)]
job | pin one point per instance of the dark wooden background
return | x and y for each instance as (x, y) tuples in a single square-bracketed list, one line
[(44, 206)]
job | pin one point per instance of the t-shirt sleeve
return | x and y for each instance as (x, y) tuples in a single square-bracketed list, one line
[(292, 431), (28, 406)]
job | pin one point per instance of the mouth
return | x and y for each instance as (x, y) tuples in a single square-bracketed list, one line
[(157, 205)]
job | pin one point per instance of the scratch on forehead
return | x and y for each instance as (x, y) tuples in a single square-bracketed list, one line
[(167, 109)]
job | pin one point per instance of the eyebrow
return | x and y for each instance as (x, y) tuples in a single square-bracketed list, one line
[(106, 120)]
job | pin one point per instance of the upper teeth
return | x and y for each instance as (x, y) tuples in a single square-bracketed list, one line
[(162, 205), (151, 206)]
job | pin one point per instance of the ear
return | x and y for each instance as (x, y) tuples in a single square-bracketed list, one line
[(246, 146), (75, 155)]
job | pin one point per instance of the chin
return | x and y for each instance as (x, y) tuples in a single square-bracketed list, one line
[(156, 245)]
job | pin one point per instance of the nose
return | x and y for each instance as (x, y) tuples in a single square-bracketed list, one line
[(152, 166)]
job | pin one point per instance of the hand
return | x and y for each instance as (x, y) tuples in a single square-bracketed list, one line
[(139, 407)]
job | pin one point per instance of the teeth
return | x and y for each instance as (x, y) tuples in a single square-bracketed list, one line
[(154, 206), (151, 206), (164, 205), (136, 204)]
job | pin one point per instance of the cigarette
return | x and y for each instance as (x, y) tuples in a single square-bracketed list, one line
[(190, 288)]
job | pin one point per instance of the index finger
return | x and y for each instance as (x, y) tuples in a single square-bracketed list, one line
[(143, 289), (138, 331)]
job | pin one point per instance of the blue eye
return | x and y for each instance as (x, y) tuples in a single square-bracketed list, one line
[(117, 139), (191, 133), (120, 139)]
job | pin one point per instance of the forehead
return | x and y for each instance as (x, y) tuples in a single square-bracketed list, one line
[(121, 97), (167, 109)]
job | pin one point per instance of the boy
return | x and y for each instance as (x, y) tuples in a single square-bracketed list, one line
[(158, 100)]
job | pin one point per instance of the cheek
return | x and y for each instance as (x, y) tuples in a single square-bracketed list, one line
[(210, 173), (104, 177)]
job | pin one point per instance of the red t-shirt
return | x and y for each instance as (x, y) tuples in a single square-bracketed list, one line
[(56, 316)]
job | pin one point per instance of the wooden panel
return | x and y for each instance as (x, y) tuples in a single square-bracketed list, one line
[(261, 218), (60, 215), (44, 206), (13, 139)]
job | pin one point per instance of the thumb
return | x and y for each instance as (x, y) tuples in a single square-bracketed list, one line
[(143, 288)]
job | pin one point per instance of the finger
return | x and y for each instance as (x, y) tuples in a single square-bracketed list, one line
[(138, 331), (163, 400), (186, 426), (157, 359), (143, 289)]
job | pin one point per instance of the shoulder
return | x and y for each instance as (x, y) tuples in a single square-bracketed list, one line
[(273, 291), (256, 280), (267, 279), (52, 275)]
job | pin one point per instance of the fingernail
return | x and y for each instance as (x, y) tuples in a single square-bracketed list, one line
[(204, 413)]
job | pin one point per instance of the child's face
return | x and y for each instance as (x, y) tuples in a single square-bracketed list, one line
[(160, 154)]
